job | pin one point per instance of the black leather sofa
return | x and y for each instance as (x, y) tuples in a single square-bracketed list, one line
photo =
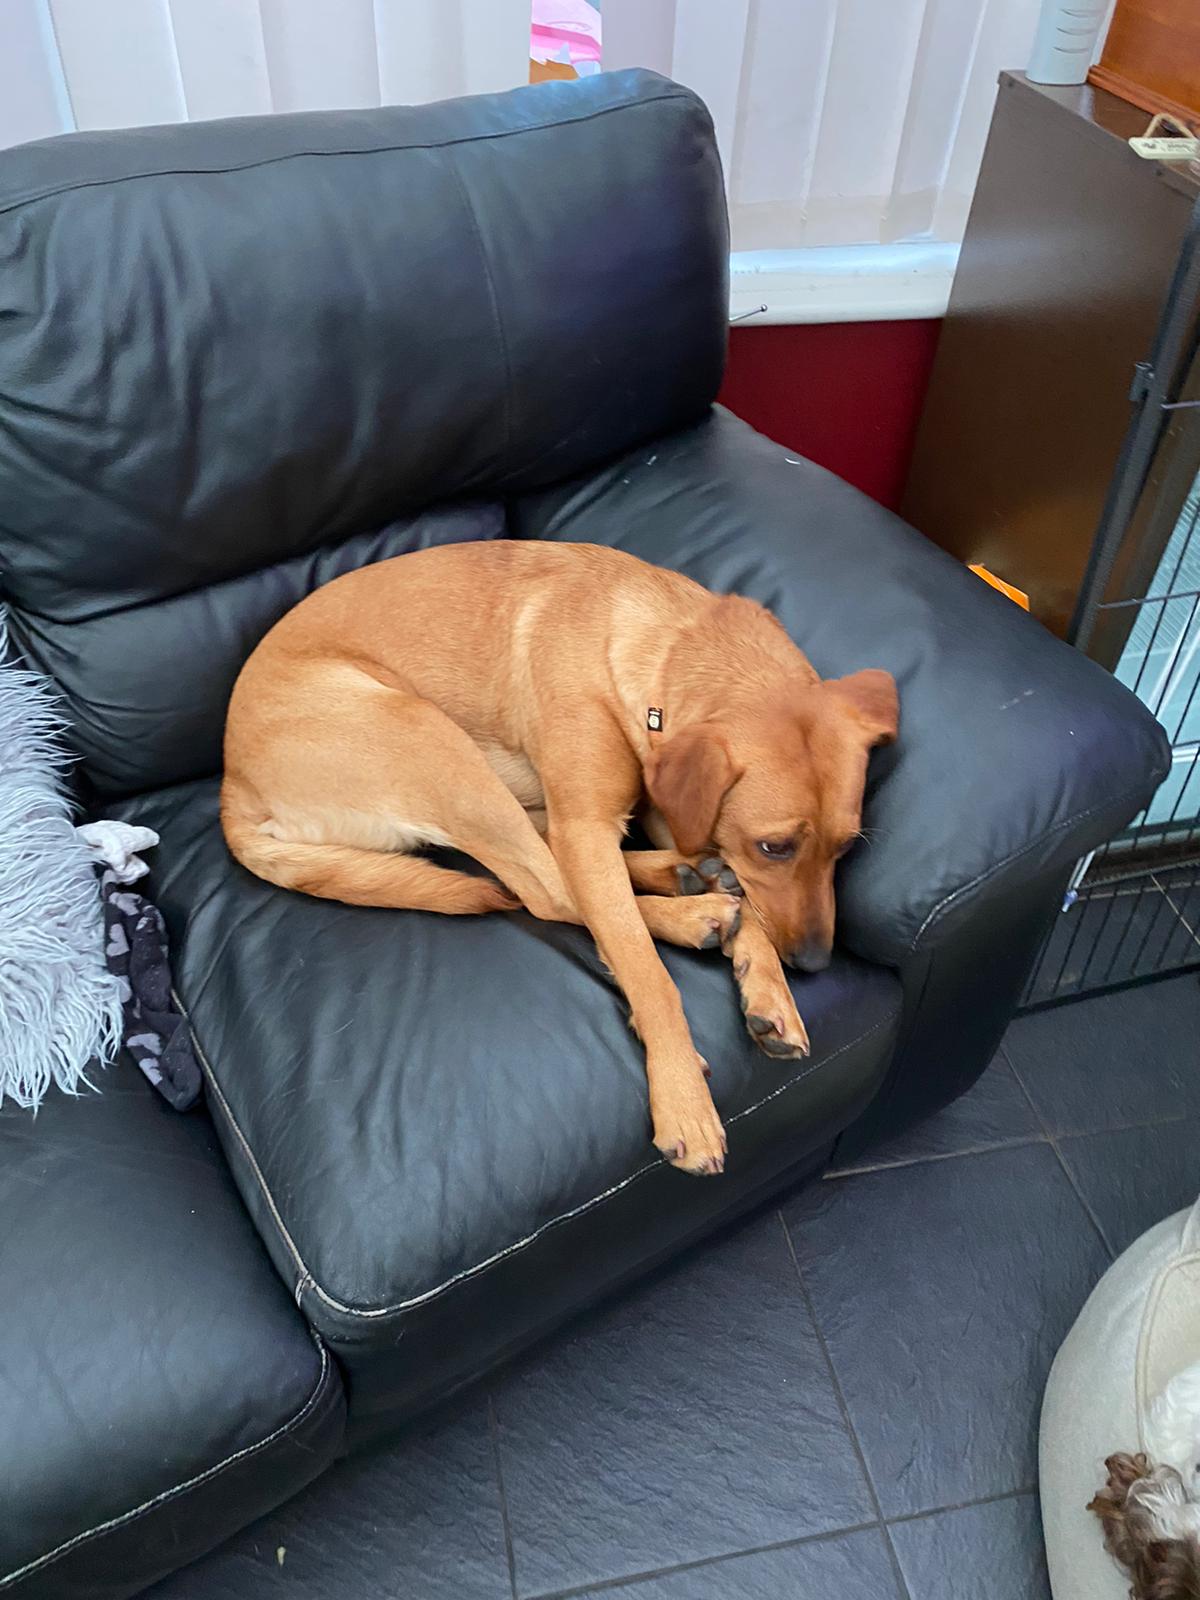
[(238, 358)]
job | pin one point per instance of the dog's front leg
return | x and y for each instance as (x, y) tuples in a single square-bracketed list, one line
[(686, 1127), (775, 1024)]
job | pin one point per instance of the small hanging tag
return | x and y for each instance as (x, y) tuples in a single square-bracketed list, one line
[(1169, 149), (1167, 139), (654, 719)]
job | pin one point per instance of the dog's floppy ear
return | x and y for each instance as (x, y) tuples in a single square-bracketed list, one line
[(687, 777), (871, 696)]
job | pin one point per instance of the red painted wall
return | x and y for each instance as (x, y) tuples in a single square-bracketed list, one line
[(846, 394)]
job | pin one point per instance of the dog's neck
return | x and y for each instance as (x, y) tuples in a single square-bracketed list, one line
[(733, 652), (736, 653)]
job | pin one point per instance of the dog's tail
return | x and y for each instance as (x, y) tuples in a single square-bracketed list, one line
[(352, 875)]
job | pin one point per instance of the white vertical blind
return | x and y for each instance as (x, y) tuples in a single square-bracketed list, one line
[(320, 57), (33, 91), (140, 80), (840, 121), (1005, 36), (949, 37), (708, 55), (461, 46), (871, 60), (495, 36), (222, 57), (68, 64)]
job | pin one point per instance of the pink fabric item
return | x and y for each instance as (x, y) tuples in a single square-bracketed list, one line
[(571, 23)]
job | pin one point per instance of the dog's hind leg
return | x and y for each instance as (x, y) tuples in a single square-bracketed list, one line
[(331, 804), (360, 877)]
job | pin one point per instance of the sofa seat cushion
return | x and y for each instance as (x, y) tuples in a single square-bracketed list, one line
[(158, 1390), (440, 1123)]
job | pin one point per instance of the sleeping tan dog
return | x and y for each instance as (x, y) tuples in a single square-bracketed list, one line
[(520, 702)]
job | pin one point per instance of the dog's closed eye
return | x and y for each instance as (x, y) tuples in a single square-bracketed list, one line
[(777, 849)]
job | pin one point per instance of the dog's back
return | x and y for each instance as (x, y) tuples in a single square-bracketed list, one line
[(486, 632)]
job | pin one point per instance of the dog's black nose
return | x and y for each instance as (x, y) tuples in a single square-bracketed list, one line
[(811, 956)]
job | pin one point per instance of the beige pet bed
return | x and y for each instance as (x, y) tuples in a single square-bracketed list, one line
[(1108, 1392)]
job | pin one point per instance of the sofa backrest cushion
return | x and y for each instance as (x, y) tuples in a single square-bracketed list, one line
[(225, 345), (145, 688)]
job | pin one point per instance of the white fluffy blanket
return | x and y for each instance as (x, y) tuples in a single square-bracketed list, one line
[(60, 1008)]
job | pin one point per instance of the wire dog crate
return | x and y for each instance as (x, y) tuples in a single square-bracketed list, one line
[(1133, 909)]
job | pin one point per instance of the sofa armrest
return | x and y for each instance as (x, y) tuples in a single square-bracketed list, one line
[(1016, 754)]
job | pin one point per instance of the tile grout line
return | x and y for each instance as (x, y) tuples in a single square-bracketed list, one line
[(1127, 1127), (1045, 1136), (1002, 1050), (1083, 1201), (510, 1554), (606, 1585), (851, 1432), (962, 1505), (939, 1155), (1052, 1141)]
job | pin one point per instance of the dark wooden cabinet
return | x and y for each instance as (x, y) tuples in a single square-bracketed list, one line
[(1068, 255)]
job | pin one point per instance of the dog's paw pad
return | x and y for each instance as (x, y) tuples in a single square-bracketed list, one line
[(773, 1038), (716, 875), (780, 1049)]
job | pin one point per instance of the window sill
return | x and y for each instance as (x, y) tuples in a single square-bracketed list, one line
[(855, 283)]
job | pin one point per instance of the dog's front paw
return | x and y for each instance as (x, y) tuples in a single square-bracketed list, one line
[(708, 875), (780, 1034), (688, 1132), (703, 921), (771, 1016)]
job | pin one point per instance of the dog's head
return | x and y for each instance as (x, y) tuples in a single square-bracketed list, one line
[(1152, 1527), (777, 790)]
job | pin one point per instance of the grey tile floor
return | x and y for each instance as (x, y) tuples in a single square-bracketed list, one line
[(838, 1398)]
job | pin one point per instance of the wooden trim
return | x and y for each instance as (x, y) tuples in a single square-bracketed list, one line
[(1101, 77), (1152, 55)]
